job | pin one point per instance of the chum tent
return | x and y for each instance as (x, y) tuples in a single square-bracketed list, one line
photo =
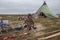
[(46, 12)]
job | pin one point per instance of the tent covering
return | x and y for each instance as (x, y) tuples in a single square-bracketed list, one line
[(46, 11)]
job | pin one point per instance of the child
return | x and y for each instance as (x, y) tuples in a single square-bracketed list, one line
[(29, 22)]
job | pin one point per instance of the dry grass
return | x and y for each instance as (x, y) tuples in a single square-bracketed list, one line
[(51, 24)]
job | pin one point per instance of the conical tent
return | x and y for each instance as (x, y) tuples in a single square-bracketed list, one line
[(45, 11)]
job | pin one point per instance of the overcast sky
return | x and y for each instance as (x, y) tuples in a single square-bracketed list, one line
[(27, 6)]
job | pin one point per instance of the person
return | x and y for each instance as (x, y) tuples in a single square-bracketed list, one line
[(29, 22)]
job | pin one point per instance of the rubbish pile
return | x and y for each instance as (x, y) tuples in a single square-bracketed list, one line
[(21, 35)]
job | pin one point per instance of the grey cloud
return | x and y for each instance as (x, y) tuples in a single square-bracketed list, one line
[(26, 6)]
